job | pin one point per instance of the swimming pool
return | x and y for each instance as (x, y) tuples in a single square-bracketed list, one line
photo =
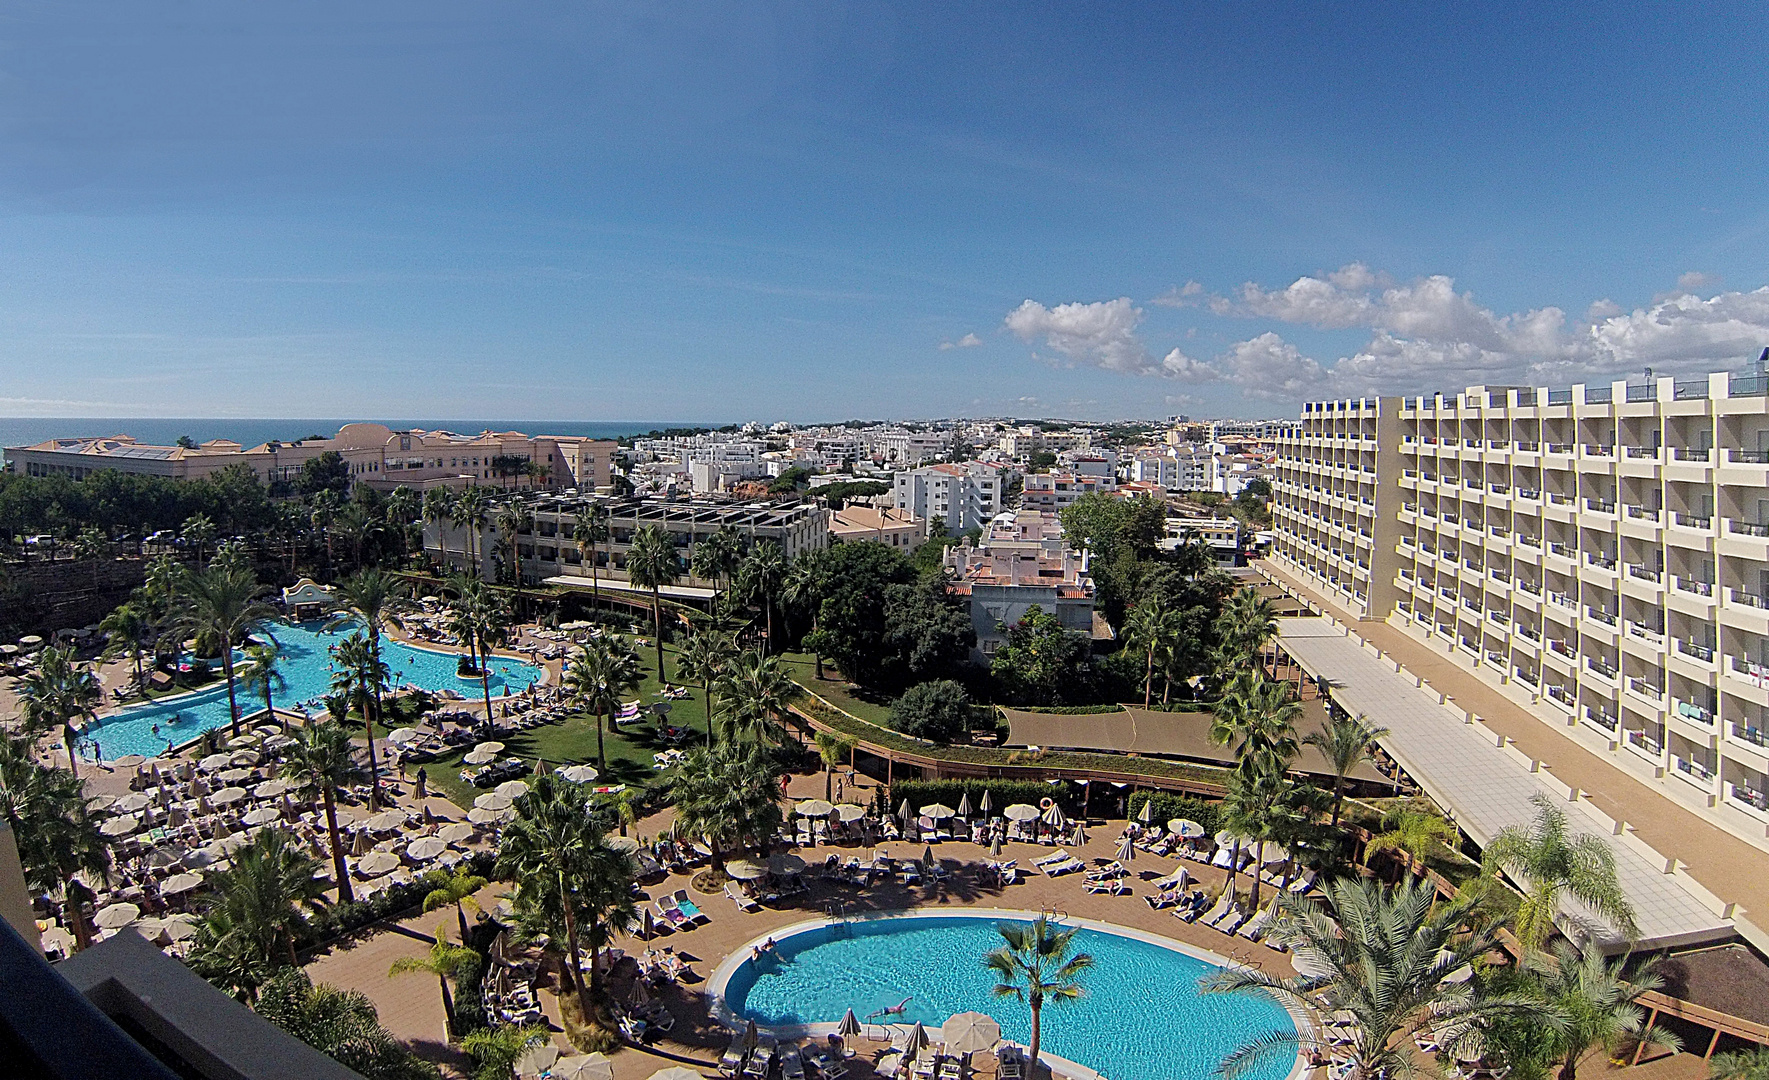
[(304, 662), (1142, 1017)]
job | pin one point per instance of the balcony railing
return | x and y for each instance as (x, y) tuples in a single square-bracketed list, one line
[(1645, 513), (1528, 677), (1604, 720), (1601, 506), (1744, 793), (1642, 451), (1500, 575), (1555, 645), (1752, 735), (1599, 451), (1534, 588), (1693, 521), (1500, 489), (1532, 541), (1646, 742), (1646, 689), (1560, 694), (1602, 562), (1746, 528), (1601, 667), (1529, 493), (1693, 768), (1563, 600), (1748, 599), (1757, 673), (1692, 585), (1748, 457), (1644, 634), (1704, 653), (1532, 447), (1605, 617), (1635, 570), (1565, 551), (1530, 632), (1560, 448), (1689, 710), (1689, 453)]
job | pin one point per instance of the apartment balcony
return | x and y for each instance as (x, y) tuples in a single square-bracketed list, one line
[(1563, 696), (1530, 633), (1561, 648), (1688, 453), (1605, 617), (1643, 513), (1560, 599), (1528, 678), (1528, 540), (1750, 671), (1601, 718), (1748, 599), (1498, 617), (1638, 453), (1692, 712), (1594, 450), (1534, 588), (1753, 735), (1528, 447), (1703, 653), (1603, 669), (1650, 691), (1560, 448), (1646, 634), (1565, 551), (1746, 528), (1645, 744), (1692, 585), (1601, 562), (1748, 457), (1532, 494), (1499, 575), (1600, 506), (1693, 771), (1750, 797), (1644, 573)]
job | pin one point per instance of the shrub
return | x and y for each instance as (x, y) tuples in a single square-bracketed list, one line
[(1168, 807), (1002, 793), (938, 711)]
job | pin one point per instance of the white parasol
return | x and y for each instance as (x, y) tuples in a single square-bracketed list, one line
[(457, 833), (745, 869), (937, 811), (120, 826), (376, 863), (387, 821), (479, 757), (814, 808), (227, 796), (401, 736), (493, 801), (426, 848), (117, 916), (270, 789), (511, 789), (786, 864), (180, 883), (214, 762), (849, 811), (264, 815), (580, 774), (1185, 828), (1020, 812), (970, 1033), (132, 803)]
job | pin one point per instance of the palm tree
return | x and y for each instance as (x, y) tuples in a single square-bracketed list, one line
[(402, 508), (589, 530), (1750, 1064), (457, 889), (58, 839), (833, 749), (260, 902), (476, 618), (1600, 1008), (1036, 964), (323, 508), (1386, 958), (652, 563), (1258, 715), (438, 510), (759, 578), (323, 759), (754, 692), (125, 628), (1251, 810), (1247, 622), (358, 525), (1551, 863), (199, 531), (1414, 833), (444, 961), (359, 674), (703, 658), (725, 794), (472, 507), (1346, 742), (717, 556), (804, 586), (1152, 628), (513, 519), (223, 606), (494, 1050), (259, 675), (54, 694), (599, 676)]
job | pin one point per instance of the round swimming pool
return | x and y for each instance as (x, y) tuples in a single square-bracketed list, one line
[(1141, 1017), (304, 663)]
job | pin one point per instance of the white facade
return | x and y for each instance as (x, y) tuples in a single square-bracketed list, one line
[(1055, 492), (951, 498)]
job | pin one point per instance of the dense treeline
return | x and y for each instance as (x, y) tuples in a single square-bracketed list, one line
[(128, 503)]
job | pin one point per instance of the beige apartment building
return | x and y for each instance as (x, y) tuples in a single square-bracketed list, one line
[(1600, 554)]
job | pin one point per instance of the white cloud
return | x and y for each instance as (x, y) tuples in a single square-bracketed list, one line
[(1191, 294), (968, 341), (1102, 334), (1686, 332), (1694, 280)]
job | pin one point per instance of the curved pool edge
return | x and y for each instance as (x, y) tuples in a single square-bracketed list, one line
[(1059, 1066)]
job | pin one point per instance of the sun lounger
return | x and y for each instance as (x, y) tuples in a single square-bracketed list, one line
[(1107, 872), (743, 902), (666, 908), (1254, 927), (689, 908), (1303, 883), (1054, 857), (1110, 886), (1068, 866), (1212, 915), (1161, 900), (1229, 923), (792, 1066), (1224, 856)]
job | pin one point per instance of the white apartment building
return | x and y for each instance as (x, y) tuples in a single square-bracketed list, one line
[(1054, 492), (896, 446), (1020, 561), (1025, 441), (951, 498), (1600, 554)]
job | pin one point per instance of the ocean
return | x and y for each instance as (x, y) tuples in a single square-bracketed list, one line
[(23, 431)]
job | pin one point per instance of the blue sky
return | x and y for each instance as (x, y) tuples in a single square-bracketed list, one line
[(615, 211)]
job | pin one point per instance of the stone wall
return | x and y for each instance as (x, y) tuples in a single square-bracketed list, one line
[(42, 597)]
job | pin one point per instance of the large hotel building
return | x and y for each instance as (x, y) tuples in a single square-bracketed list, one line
[(1600, 554)]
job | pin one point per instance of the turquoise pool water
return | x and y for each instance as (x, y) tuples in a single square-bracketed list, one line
[(1142, 1017), (305, 664)]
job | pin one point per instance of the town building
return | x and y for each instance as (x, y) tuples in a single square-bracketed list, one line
[(1020, 561), (1056, 491), (885, 525), (952, 498), (1222, 535), (1596, 553)]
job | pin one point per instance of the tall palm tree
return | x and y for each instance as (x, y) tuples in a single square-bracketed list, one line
[(589, 530), (1552, 864), (833, 749), (1386, 953), (1152, 628), (1037, 964), (759, 579), (1346, 742), (717, 556), (1251, 810), (198, 531), (703, 658), (125, 629), (804, 586), (223, 606), (599, 676), (445, 961), (724, 795), (494, 1050), (438, 510), (262, 900), (754, 692), (59, 844), (1257, 715), (259, 675), (1247, 622), (513, 519), (457, 889), (323, 508), (1414, 833), (1599, 1007), (322, 759), (359, 674), (472, 508), (55, 693), (652, 563), (376, 601), (477, 618), (402, 508)]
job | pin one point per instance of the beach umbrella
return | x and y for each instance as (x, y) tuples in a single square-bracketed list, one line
[(1186, 828), (849, 811), (1080, 833), (120, 826), (970, 1033), (588, 1067), (1020, 812), (1147, 813), (180, 883), (786, 864), (675, 1072), (995, 846), (457, 833), (134, 802), (536, 1060), (927, 855), (746, 870), (376, 863), (494, 801), (985, 805), (479, 757), (750, 1036), (490, 746), (129, 761), (814, 808), (235, 775), (624, 844), (937, 811), (511, 789), (117, 916), (401, 736), (903, 812), (363, 844), (179, 927), (580, 774), (387, 821), (264, 815), (479, 815), (1126, 849), (964, 809), (163, 856), (242, 742), (100, 803), (1275, 854), (426, 848), (228, 796), (270, 789), (916, 1042), (1054, 816), (244, 758), (214, 762), (850, 1025)]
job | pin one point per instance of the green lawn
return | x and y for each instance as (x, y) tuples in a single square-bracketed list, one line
[(872, 708), (573, 740)]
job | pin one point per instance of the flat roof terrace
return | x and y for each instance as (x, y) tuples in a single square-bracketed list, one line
[(1487, 785)]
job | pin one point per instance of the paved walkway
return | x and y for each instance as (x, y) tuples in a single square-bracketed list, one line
[(1727, 866)]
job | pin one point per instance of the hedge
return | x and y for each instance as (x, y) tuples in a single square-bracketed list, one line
[(1002, 793), (341, 919), (1169, 806), (1067, 710)]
